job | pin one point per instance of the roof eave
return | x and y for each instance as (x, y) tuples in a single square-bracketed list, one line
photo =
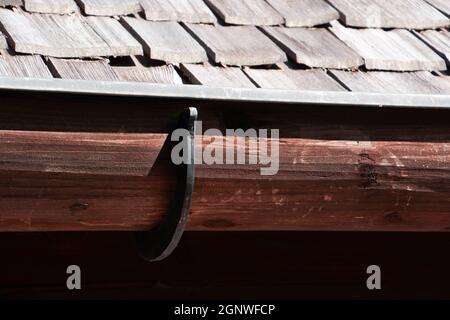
[(197, 92)]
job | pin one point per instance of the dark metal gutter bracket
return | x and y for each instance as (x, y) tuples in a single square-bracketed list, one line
[(159, 243)]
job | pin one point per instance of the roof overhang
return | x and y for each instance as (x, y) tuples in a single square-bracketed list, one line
[(197, 92)]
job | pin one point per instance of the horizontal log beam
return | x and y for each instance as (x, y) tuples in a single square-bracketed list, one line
[(123, 181)]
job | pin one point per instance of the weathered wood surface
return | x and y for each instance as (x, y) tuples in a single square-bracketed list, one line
[(53, 6), (82, 70), (163, 74), (439, 41), (395, 50), (394, 82), (216, 77), (191, 11), (237, 45), (3, 42), (63, 36), (442, 5), (109, 7), (304, 13), (255, 12), (115, 36), (315, 47), (294, 80), (23, 66), (15, 3), (166, 41), (408, 14), (377, 170)]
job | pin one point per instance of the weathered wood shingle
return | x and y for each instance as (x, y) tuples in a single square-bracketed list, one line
[(24, 67), (3, 42), (163, 74), (396, 50), (443, 5), (439, 41), (54, 35), (410, 14), (82, 70), (394, 82), (192, 11), (109, 7), (316, 80), (315, 47), (237, 45), (120, 41), (14, 3), (166, 41), (216, 77), (305, 13), (53, 6), (254, 12)]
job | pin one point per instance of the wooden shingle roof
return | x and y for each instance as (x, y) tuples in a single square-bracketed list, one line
[(400, 46)]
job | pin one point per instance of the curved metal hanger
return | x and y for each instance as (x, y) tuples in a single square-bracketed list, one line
[(159, 243)]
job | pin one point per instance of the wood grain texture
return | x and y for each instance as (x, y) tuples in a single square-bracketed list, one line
[(409, 14), (23, 67), (255, 12), (293, 80), (120, 42), (216, 77), (393, 82), (14, 3), (315, 47), (82, 70), (3, 42), (166, 41), (163, 74), (109, 7), (305, 13), (237, 45), (53, 35), (191, 11), (380, 169), (438, 40), (396, 50), (54, 6), (442, 5)]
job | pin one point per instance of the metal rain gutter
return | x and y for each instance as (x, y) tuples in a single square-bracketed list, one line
[(198, 92)]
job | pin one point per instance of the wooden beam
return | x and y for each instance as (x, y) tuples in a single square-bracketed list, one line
[(54, 181), (378, 170)]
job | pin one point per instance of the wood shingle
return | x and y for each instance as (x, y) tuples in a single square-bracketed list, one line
[(82, 70), (216, 77), (63, 36), (237, 45), (315, 47), (442, 5), (192, 11), (255, 12), (409, 14), (439, 41), (109, 7), (54, 6), (394, 82), (304, 13), (395, 50), (316, 80), (163, 74), (120, 41), (23, 67), (166, 41)]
